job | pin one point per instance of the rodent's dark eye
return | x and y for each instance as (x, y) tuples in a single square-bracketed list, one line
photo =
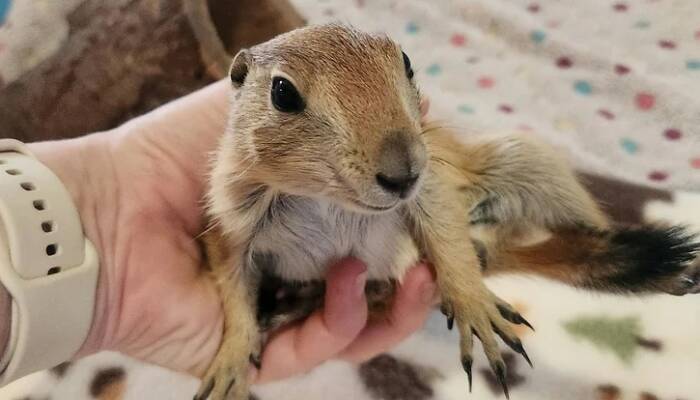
[(407, 65), (285, 96)]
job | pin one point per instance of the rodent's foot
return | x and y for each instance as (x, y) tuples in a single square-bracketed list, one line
[(687, 282), (485, 318), (227, 378), (655, 259)]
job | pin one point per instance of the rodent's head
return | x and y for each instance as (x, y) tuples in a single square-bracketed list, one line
[(329, 111)]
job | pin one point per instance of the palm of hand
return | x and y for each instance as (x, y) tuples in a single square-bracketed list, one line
[(168, 310), (159, 305)]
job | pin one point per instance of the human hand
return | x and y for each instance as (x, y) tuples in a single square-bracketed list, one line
[(139, 189)]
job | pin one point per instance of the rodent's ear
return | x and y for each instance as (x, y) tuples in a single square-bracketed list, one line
[(239, 67)]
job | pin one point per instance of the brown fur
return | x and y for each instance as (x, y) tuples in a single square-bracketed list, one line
[(279, 175)]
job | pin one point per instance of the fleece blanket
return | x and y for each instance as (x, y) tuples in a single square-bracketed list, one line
[(614, 84)]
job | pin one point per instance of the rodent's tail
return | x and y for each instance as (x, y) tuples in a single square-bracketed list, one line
[(622, 260)]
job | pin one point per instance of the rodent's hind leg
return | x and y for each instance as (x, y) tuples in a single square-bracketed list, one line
[(689, 282), (649, 259), (380, 297), (227, 377), (281, 303), (623, 260)]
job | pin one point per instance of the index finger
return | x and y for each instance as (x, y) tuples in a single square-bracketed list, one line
[(326, 332)]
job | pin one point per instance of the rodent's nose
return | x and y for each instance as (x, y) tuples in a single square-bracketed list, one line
[(400, 185), (402, 159)]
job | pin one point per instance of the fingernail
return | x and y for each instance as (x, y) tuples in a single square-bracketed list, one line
[(360, 285), (428, 293)]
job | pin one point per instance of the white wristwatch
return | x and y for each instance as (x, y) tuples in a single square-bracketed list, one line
[(46, 264)]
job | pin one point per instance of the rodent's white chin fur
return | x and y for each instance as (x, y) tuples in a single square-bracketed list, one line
[(360, 207), (364, 207)]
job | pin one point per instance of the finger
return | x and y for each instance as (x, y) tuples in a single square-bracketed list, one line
[(414, 300), (326, 332)]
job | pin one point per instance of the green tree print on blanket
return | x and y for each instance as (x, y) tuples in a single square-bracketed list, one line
[(619, 335)]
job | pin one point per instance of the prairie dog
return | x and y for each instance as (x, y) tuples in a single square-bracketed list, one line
[(326, 156)]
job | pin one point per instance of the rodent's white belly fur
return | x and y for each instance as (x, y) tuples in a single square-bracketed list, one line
[(305, 236)]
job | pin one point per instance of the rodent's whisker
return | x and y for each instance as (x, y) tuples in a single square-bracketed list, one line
[(443, 162), (235, 177), (209, 228), (431, 129), (441, 124)]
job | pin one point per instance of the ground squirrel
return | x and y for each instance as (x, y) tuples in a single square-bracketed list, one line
[(326, 156)]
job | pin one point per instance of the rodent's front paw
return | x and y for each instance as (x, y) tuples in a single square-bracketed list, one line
[(484, 315), (227, 377)]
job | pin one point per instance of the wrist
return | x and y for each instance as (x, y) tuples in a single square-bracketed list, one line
[(5, 319), (139, 199), (47, 266), (83, 165), (71, 161)]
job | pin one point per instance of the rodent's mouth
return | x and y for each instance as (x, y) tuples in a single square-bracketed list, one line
[(354, 196), (373, 208)]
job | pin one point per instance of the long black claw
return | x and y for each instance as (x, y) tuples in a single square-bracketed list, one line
[(206, 392), (445, 311), (499, 369), (518, 347), (467, 365), (514, 316), (515, 344), (522, 321), (450, 317), (256, 361)]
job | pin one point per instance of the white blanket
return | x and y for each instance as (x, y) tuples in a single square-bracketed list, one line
[(616, 84)]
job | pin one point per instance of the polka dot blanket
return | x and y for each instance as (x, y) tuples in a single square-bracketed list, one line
[(615, 85)]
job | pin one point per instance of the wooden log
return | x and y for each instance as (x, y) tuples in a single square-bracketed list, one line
[(125, 57)]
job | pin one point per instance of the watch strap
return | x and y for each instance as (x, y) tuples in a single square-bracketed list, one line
[(46, 264)]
